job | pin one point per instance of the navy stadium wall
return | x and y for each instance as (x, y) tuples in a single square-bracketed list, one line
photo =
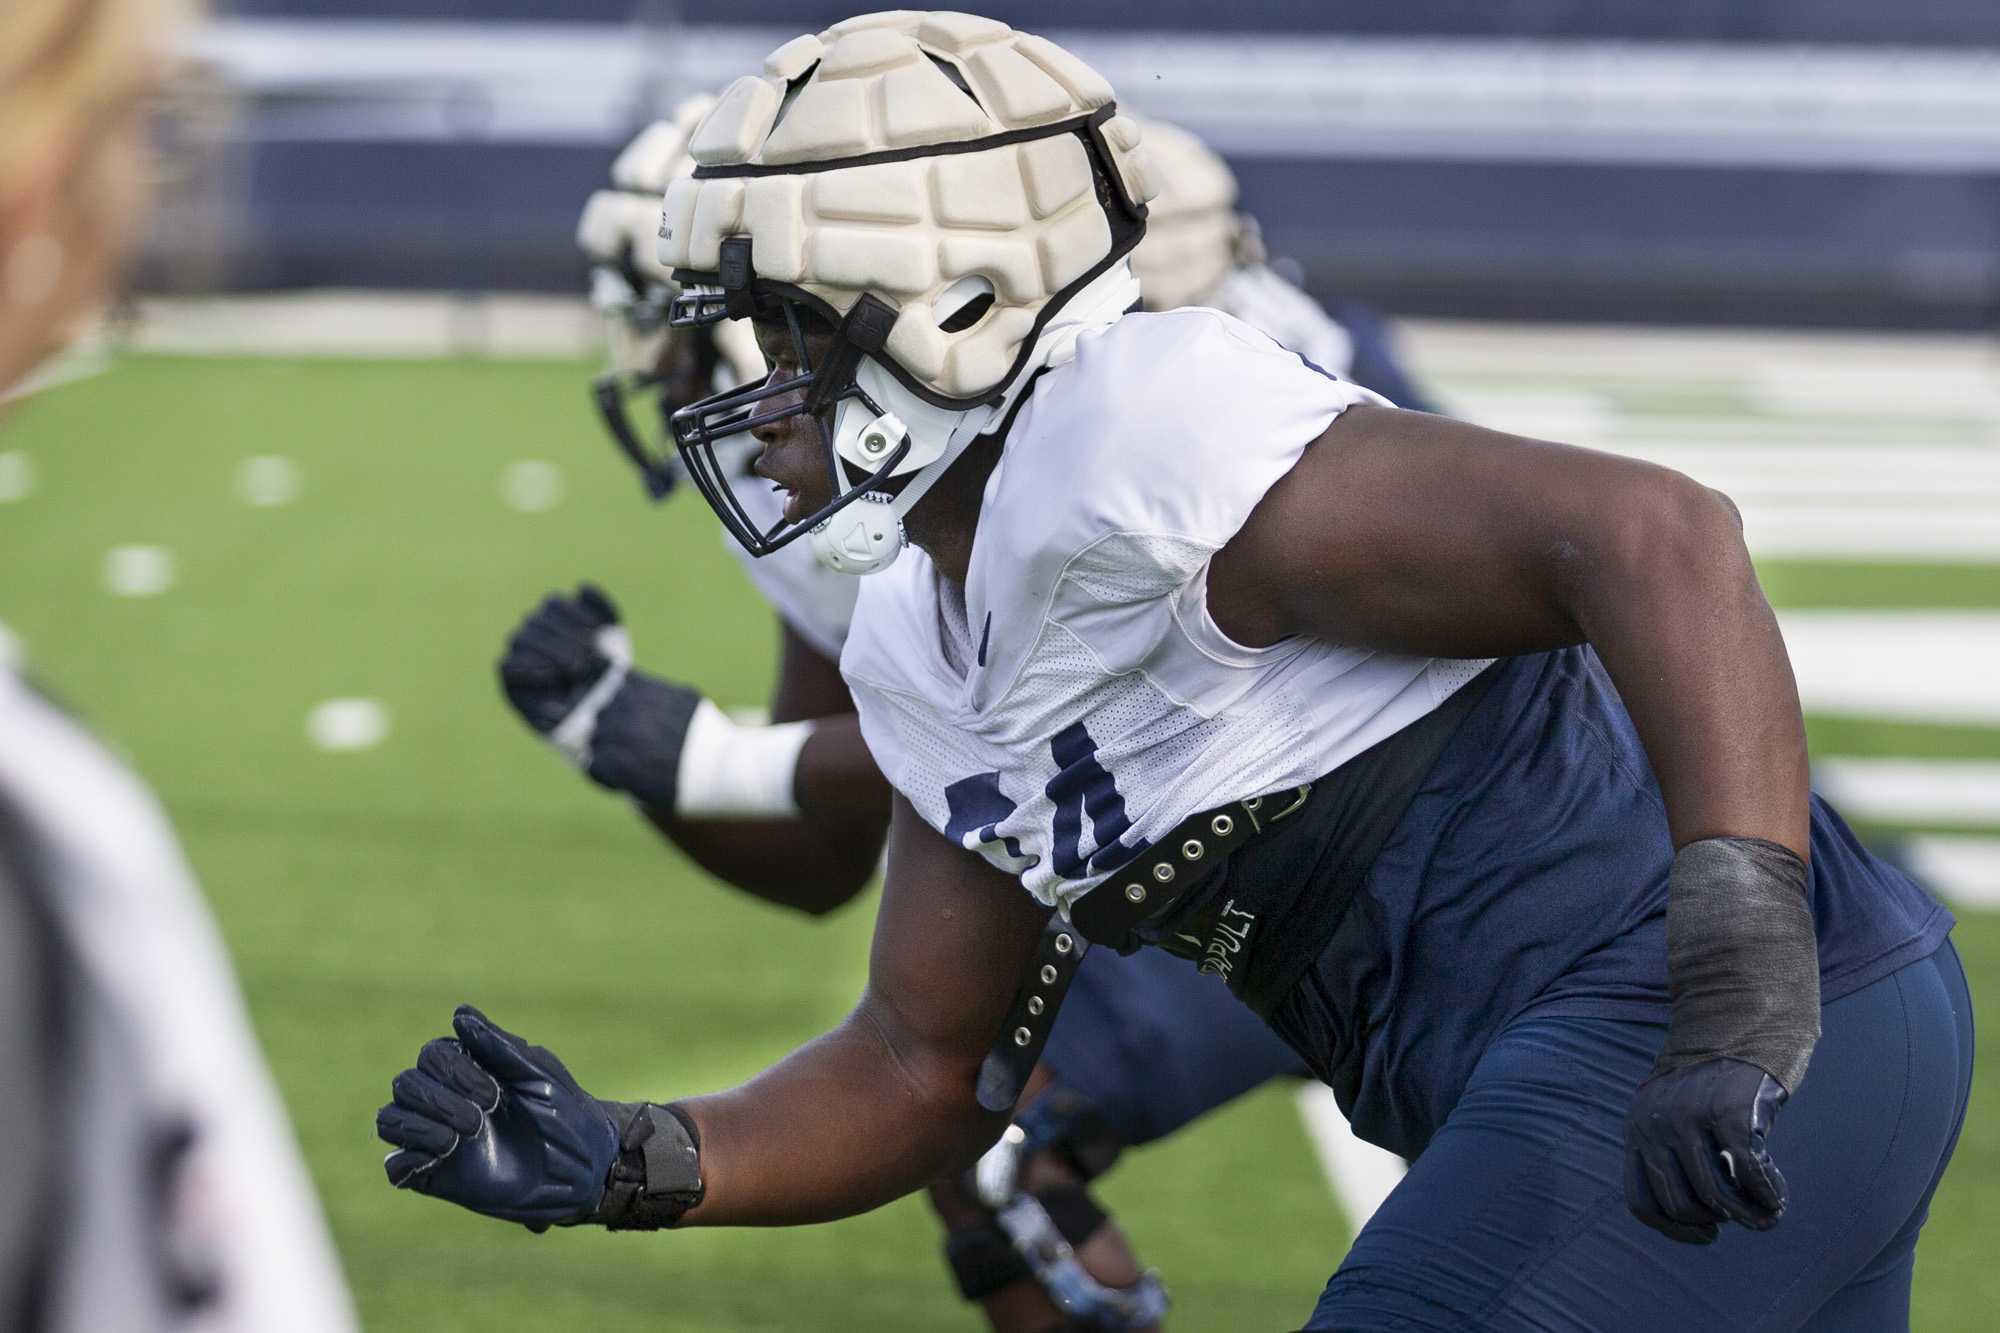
[(1613, 231)]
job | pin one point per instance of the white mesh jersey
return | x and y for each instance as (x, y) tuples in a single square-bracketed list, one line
[(1074, 701), (814, 600)]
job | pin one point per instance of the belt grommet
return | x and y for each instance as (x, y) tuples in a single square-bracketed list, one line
[(1192, 849), (1064, 944), (1135, 893), (1163, 873), (1035, 1005), (1048, 974), (1022, 1036), (1222, 826)]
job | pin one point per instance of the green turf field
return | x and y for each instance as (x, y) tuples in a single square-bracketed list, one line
[(367, 893)]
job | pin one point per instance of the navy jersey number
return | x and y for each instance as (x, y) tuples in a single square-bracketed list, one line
[(1081, 789)]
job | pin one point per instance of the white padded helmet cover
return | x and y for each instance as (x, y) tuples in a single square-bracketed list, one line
[(625, 219), (624, 222), (1024, 216), (1191, 227)]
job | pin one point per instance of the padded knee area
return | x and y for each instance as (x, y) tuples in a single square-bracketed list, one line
[(1075, 1214), (982, 1259)]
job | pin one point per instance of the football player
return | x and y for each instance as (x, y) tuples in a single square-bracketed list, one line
[(1152, 1044), (149, 1178), (1473, 764)]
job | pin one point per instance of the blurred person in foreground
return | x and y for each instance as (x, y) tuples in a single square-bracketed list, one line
[(148, 1176), (795, 811), (1473, 763)]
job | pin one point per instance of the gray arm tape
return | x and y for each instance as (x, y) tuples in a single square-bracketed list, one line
[(1742, 960)]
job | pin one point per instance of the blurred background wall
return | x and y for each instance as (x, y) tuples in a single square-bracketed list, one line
[(1764, 161)]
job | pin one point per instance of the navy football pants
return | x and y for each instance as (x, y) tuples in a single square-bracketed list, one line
[(1153, 1043), (1514, 1217)]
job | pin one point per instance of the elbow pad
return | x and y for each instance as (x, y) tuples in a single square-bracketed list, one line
[(1742, 959)]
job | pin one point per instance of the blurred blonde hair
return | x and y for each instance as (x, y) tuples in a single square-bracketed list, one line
[(66, 65)]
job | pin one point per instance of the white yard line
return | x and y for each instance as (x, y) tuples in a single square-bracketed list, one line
[(1833, 445), (1963, 792), (1361, 1174), (1910, 666), (1965, 871), (512, 325)]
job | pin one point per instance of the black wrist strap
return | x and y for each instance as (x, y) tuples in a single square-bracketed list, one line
[(1742, 959), (657, 1175)]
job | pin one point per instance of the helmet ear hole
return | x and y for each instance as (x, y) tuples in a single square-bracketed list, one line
[(964, 303)]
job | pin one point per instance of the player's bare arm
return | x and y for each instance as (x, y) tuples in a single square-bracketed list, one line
[(1418, 534), (883, 1104)]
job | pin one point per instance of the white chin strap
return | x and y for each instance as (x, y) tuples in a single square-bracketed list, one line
[(868, 535)]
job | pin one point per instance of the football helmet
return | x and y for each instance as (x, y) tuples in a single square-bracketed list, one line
[(929, 207), (652, 370), (1194, 235)]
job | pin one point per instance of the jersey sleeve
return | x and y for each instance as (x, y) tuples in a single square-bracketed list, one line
[(1151, 449)]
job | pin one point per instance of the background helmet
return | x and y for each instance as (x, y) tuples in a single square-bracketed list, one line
[(1192, 226), (1200, 250), (933, 189), (652, 370)]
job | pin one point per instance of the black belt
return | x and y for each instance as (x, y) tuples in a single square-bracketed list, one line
[(1150, 884), (1273, 913)]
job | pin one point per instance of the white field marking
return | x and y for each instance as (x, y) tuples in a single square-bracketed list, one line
[(138, 571), (1834, 446), (1895, 366), (1911, 666), (267, 482), (1361, 1174), (1913, 791), (1964, 870), (531, 486), (17, 476), (351, 323), (348, 724)]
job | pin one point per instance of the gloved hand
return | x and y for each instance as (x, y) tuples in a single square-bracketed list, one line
[(498, 1126), (568, 673), (1695, 1151)]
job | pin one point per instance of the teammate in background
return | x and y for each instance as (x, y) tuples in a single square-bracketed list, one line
[(1473, 763), (148, 1177), (1151, 1043)]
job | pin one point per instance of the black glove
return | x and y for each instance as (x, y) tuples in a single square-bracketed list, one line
[(1695, 1151), (498, 1126), (567, 672), (1743, 969)]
